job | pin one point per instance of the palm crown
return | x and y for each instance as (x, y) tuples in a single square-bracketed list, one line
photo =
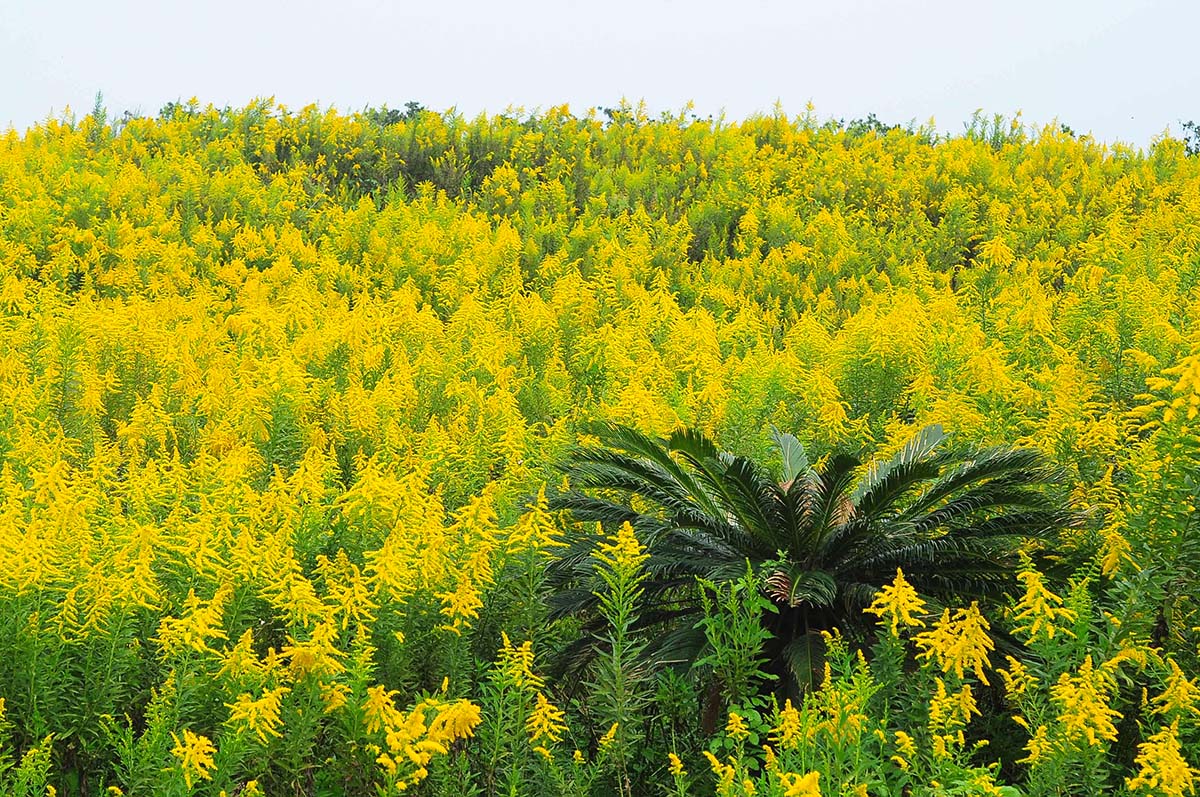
[(822, 539)]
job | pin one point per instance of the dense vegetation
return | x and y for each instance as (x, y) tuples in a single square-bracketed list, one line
[(285, 398)]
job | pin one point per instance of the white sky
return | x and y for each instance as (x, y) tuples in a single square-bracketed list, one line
[(1120, 70)]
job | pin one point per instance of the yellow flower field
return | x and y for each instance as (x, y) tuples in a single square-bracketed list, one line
[(283, 393)]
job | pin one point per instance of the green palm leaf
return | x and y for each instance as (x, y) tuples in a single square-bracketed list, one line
[(822, 540)]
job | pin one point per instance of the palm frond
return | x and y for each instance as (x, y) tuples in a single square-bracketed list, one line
[(829, 505), (795, 586), (824, 540), (917, 449), (795, 458), (1015, 466), (649, 451)]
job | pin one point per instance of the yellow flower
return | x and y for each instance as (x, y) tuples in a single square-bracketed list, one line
[(996, 252), (725, 772), (898, 603), (786, 734), (1017, 679), (984, 785), (1040, 609), (1083, 704), (676, 766), (335, 696), (411, 743), (461, 605), (1037, 748), (609, 736), (195, 754), (260, 716), (958, 643), (1135, 653), (949, 713), (623, 553), (736, 727), (516, 662), (455, 721), (545, 721), (200, 623), (316, 656), (797, 786), (1162, 768), (1181, 695), (379, 710), (348, 592), (295, 595), (536, 528), (240, 661), (1115, 550)]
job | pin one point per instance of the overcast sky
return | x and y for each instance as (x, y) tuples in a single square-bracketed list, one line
[(1120, 70)]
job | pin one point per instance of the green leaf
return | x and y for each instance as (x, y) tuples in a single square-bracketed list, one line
[(805, 657), (916, 449), (797, 585), (795, 458)]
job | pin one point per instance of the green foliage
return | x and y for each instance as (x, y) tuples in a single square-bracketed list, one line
[(821, 543), (276, 386), (1191, 137), (733, 627), (618, 691)]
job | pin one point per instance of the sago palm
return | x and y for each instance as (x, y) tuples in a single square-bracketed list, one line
[(822, 540)]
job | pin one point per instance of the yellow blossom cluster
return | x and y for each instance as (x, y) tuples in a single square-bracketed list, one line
[(195, 754), (958, 642), (801, 785), (1040, 611), (623, 553), (1082, 700), (949, 715), (898, 604), (545, 722), (413, 738), (280, 391), (1162, 768), (261, 716)]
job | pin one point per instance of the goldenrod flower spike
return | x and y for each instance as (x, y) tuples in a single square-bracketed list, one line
[(1162, 768), (1040, 610), (898, 603), (195, 754), (1181, 695), (1083, 702), (958, 642), (787, 733), (736, 727), (545, 722), (801, 786), (260, 716)]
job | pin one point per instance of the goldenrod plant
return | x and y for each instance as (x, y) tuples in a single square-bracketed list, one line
[(306, 418)]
